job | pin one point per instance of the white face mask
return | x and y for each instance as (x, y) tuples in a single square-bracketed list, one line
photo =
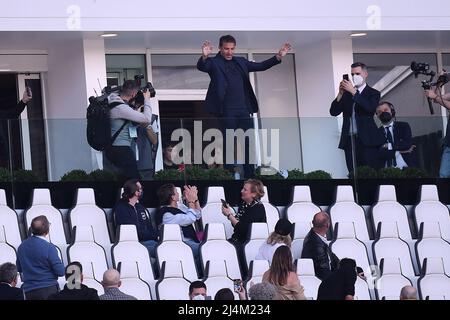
[(198, 297), (358, 80)]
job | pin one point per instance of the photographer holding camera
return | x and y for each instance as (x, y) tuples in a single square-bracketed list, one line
[(146, 143), (124, 119), (435, 94)]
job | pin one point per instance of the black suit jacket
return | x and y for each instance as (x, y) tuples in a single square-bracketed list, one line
[(366, 103), (317, 250), (402, 142), (84, 293), (215, 67), (10, 293)]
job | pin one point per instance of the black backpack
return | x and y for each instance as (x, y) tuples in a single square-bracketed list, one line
[(98, 130)]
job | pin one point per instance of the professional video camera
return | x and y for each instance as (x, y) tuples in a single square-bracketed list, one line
[(424, 68), (139, 98)]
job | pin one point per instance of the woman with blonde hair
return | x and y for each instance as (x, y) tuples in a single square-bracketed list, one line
[(282, 274), (280, 237)]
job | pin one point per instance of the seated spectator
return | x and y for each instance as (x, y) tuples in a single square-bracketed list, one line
[(227, 294), (262, 291), (224, 294), (280, 237), (39, 262), (171, 212), (316, 247), (8, 282), (340, 284), (111, 283), (129, 211), (74, 289), (408, 293), (197, 290), (397, 151), (251, 210), (167, 158), (282, 274)]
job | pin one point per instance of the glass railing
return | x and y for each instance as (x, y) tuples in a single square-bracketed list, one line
[(187, 150)]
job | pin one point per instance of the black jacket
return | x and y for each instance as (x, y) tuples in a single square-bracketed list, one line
[(125, 213), (84, 293), (10, 293), (317, 250), (402, 142), (365, 105), (254, 213), (215, 67), (339, 284)]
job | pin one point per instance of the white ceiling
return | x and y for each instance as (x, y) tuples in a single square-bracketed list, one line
[(257, 40)]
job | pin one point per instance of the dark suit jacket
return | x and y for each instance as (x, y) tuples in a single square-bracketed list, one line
[(366, 104), (402, 141), (215, 67), (10, 293), (317, 250), (84, 293)]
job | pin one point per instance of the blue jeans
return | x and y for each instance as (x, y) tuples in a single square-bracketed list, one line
[(444, 171), (151, 247), (195, 247)]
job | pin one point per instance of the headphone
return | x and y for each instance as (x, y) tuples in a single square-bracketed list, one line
[(390, 105)]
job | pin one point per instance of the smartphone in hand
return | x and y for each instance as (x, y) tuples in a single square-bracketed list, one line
[(237, 285), (224, 203), (345, 77)]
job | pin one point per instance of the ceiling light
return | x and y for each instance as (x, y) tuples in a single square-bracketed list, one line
[(358, 34), (108, 35)]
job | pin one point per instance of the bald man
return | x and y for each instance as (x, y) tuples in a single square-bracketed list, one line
[(111, 283), (408, 293), (315, 246)]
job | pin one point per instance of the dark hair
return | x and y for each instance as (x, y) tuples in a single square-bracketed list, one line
[(390, 105), (129, 188), (347, 263), (128, 87), (359, 64), (226, 39), (224, 294), (40, 225), (196, 285), (281, 266), (165, 193), (70, 269), (8, 272)]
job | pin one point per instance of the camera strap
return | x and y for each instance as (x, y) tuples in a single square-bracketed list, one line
[(116, 134)]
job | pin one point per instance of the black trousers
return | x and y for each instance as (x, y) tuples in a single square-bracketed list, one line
[(234, 122), (41, 293), (365, 155), (124, 159)]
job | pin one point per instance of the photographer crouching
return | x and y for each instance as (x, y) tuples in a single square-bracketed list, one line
[(436, 96), (124, 120)]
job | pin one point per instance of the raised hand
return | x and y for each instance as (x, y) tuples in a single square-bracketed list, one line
[(285, 48), (206, 49)]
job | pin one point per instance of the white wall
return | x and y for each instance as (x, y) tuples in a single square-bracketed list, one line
[(23, 62), (319, 68), (73, 69), (102, 15)]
